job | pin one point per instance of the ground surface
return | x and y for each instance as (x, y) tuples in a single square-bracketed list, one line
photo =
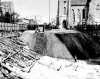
[(52, 68)]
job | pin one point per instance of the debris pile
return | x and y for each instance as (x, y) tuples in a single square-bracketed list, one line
[(15, 57), (7, 74)]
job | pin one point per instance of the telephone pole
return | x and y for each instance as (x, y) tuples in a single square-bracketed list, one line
[(57, 20), (49, 11), (0, 9), (68, 13)]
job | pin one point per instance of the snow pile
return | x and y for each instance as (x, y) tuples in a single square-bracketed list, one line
[(55, 63), (51, 68), (72, 70)]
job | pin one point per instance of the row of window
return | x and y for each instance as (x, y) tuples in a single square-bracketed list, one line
[(81, 14), (65, 10), (9, 27)]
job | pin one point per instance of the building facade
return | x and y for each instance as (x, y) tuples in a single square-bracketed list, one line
[(73, 11), (94, 12), (7, 6)]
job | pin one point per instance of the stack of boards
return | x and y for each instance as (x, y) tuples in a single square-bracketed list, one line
[(15, 56)]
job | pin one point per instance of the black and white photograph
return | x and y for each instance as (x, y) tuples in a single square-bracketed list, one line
[(49, 39)]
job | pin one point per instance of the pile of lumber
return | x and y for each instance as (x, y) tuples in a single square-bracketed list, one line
[(15, 55)]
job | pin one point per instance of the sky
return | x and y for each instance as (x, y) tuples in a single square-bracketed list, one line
[(38, 8)]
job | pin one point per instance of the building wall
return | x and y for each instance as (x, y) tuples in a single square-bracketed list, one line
[(75, 12), (77, 15), (7, 6), (62, 10), (12, 27), (94, 12)]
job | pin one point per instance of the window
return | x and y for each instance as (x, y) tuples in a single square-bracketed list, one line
[(73, 14), (64, 2), (79, 15), (64, 10), (84, 14)]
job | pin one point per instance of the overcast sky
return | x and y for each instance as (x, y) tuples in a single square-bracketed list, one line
[(31, 8)]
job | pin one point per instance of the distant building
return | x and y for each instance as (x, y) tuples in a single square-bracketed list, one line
[(74, 11), (7, 6)]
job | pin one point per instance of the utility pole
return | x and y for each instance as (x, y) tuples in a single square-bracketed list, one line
[(1, 19), (68, 13), (49, 11), (0, 9), (57, 20)]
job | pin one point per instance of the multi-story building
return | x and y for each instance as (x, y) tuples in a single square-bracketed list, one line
[(74, 11), (7, 6)]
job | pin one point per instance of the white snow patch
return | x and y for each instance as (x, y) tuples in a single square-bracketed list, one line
[(46, 68)]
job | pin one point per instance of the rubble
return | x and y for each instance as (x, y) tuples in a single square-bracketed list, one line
[(7, 74), (15, 57)]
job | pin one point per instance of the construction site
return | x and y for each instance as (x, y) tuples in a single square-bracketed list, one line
[(68, 50)]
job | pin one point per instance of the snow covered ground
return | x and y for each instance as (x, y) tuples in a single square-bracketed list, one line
[(53, 68)]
